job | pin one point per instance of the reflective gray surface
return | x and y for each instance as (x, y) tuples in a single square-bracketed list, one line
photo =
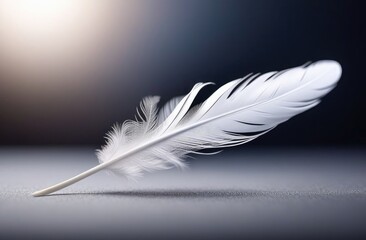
[(256, 193)]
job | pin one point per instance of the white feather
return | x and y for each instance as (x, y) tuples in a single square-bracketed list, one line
[(236, 113)]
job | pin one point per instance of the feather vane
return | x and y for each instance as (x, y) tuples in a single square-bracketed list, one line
[(234, 114)]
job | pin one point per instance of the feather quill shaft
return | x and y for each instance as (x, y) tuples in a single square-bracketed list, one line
[(236, 113)]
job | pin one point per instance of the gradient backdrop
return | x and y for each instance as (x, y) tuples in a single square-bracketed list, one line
[(66, 77), (69, 69)]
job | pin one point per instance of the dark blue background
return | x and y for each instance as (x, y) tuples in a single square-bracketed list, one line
[(184, 42)]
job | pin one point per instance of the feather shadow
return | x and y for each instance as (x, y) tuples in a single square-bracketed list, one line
[(175, 193), (217, 194)]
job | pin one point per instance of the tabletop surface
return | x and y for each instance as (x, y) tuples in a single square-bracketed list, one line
[(254, 192)]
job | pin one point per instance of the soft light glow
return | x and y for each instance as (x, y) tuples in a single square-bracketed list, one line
[(41, 39), (36, 17), (64, 42)]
